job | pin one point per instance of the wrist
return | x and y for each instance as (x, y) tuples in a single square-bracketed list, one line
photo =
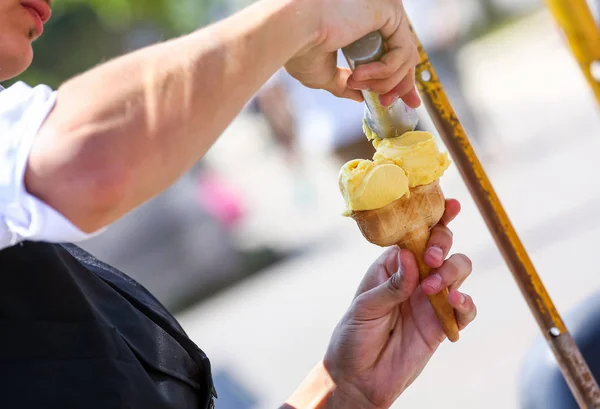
[(302, 19), (320, 391), (310, 17), (283, 27)]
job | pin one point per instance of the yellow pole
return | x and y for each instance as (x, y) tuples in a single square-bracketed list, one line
[(577, 23), (570, 360)]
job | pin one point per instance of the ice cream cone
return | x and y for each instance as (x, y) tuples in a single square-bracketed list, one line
[(407, 222)]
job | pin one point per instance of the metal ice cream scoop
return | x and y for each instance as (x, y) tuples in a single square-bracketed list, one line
[(385, 122)]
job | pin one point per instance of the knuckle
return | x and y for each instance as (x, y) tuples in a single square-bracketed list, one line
[(442, 230), (385, 64), (470, 307), (466, 262), (394, 60), (451, 270), (335, 91), (359, 306), (376, 88), (404, 52), (405, 87), (449, 232), (388, 68), (441, 237), (460, 261), (468, 314), (394, 283), (415, 58)]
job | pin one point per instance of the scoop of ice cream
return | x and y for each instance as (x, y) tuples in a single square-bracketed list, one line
[(367, 185), (416, 153)]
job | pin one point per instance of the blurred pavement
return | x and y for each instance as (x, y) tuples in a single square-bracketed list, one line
[(268, 331)]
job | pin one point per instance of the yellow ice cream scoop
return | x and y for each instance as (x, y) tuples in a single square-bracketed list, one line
[(416, 153), (367, 185)]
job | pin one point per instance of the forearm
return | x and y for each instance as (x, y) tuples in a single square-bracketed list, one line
[(126, 130)]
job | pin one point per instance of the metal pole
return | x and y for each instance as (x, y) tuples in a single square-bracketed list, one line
[(571, 362), (577, 23)]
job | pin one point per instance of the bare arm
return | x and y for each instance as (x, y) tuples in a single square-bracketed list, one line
[(124, 131), (319, 391)]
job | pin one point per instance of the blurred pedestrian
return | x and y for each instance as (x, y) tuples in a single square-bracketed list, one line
[(80, 334)]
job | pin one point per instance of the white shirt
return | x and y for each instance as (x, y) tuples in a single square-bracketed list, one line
[(23, 217)]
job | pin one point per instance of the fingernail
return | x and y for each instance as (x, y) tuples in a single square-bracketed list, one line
[(436, 253), (434, 282), (462, 299)]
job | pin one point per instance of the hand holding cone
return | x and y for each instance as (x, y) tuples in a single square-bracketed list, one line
[(407, 222), (396, 199)]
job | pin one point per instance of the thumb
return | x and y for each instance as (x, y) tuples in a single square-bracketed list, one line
[(338, 85), (398, 288), (321, 71)]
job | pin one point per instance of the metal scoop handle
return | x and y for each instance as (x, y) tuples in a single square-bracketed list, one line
[(385, 122)]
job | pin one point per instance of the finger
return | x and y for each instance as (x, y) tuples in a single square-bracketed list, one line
[(388, 80), (391, 62), (393, 76), (381, 270), (412, 98), (465, 308), (402, 49), (440, 243), (379, 301), (413, 38), (338, 85), (406, 90), (401, 56), (450, 275), (322, 72), (452, 210), (381, 86)]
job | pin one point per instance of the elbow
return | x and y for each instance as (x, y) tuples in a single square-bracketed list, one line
[(79, 178), (98, 197)]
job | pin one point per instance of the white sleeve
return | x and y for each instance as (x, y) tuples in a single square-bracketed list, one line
[(22, 216)]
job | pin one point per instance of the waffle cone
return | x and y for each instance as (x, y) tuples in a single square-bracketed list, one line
[(407, 222)]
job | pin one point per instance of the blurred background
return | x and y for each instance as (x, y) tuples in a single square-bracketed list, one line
[(250, 250)]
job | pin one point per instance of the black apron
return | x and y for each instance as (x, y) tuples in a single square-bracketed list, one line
[(76, 333)]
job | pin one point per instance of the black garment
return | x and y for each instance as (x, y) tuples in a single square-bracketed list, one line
[(77, 333)]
